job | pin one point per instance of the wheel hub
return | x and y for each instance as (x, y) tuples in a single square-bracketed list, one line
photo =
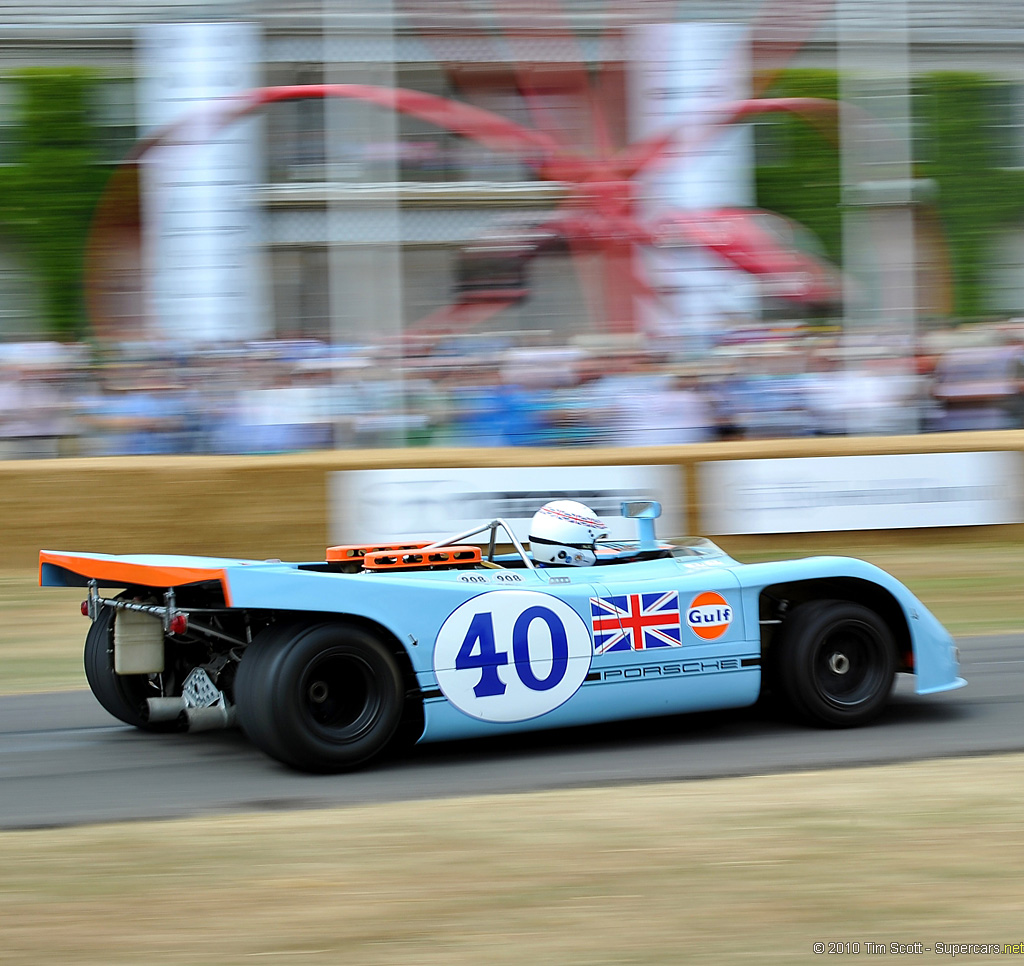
[(838, 663), (318, 692)]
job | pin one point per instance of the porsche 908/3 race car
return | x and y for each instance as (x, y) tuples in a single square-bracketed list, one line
[(325, 664)]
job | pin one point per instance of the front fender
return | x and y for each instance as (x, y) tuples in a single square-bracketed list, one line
[(936, 664)]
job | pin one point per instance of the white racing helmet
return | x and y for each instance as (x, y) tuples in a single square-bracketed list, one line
[(563, 532)]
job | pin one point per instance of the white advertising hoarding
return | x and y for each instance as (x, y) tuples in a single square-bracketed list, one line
[(201, 225), (820, 494), (429, 504)]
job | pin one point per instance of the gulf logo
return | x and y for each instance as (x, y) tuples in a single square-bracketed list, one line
[(709, 615)]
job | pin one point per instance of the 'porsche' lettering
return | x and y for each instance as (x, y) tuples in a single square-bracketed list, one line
[(674, 669)]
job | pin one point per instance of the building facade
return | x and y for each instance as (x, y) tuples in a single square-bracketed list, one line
[(367, 214)]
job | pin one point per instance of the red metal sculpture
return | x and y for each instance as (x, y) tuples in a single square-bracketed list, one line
[(600, 212)]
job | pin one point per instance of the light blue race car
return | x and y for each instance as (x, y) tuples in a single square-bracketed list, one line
[(326, 664)]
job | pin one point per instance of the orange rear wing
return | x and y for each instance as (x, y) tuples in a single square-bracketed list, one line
[(58, 569)]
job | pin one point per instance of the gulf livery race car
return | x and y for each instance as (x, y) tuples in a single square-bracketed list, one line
[(325, 664)]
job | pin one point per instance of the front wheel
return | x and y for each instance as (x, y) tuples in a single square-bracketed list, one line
[(836, 663), (321, 697)]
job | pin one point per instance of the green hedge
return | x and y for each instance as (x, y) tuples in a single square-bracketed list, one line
[(48, 194), (797, 170), (957, 114), (956, 117)]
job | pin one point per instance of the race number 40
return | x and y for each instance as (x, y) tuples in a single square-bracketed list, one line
[(512, 655)]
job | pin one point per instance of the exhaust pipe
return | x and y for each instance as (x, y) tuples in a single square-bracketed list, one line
[(164, 709), (219, 715)]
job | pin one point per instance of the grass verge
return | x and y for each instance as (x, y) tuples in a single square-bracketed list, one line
[(747, 870), (41, 636)]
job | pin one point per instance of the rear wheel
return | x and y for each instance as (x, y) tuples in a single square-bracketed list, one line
[(256, 670), (836, 663), (123, 695), (321, 697)]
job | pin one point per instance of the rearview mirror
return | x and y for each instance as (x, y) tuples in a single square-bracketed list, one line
[(641, 510)]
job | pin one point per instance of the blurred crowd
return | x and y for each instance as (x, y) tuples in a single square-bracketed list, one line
[(280, 397)]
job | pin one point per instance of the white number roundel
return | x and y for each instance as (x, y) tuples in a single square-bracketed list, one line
[(512, 655)]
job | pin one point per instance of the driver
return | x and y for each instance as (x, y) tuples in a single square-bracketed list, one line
[(562, 533)]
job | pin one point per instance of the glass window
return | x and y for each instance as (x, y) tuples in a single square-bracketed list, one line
[(1007, 127), (8, 118), (115, 118), (772, 142), (295, 129)]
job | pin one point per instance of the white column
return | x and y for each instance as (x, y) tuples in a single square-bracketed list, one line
[(365, 286), (681, 75), (879, 258), (201, 223)]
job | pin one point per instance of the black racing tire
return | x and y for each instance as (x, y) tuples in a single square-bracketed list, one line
[(252, 688), (323, 697), (123, 695), (835, 663)]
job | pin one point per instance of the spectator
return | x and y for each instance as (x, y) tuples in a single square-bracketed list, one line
[(138, 412), (32, 414), (671, 409)]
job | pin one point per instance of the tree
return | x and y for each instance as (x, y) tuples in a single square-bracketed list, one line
[(48, 194)]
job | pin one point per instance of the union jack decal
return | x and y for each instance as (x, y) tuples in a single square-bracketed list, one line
[(635, 622)]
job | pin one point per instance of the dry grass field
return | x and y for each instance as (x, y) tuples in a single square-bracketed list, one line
[(734, 871), (747, 870), (41, 636)]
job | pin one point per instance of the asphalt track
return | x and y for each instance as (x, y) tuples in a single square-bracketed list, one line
[(65, 761)]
